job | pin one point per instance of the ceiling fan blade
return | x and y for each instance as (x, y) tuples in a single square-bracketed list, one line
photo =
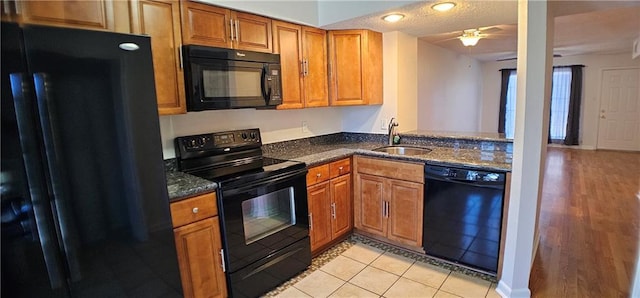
[(491, 30)]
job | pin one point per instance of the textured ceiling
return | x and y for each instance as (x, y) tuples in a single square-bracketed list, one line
[(582, 27)]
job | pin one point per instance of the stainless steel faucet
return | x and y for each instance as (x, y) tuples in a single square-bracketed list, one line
[(392, 125)]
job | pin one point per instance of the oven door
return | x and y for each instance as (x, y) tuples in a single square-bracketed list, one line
[(260, 218), (225, 84)]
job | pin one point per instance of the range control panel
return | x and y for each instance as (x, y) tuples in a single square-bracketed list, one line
[(219, 140)]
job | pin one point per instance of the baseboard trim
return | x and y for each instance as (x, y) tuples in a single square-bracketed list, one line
[(507, 292), (580, 147)]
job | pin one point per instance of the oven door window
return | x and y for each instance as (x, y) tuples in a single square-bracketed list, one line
[(268, 214)]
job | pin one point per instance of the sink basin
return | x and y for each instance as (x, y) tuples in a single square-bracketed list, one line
[(403, 150)]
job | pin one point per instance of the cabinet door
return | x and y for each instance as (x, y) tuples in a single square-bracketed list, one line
[(287, 41), (97, 14), (205, 25), (368, 204), (319, 198), (160, 19), (252, 32), (198, 247), (341, 222), (316, 92), (345, 50), (405, 212)]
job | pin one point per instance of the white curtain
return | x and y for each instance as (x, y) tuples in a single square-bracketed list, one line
[(560, 94)]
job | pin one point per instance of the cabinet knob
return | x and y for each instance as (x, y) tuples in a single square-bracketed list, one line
[(340, 169), (195, 210), (318, 175)]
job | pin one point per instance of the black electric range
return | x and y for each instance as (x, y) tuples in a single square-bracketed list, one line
[(262, 205)]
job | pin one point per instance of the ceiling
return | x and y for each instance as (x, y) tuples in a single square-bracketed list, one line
[(581, 27)]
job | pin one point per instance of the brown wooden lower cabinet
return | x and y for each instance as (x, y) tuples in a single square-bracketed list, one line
[(388, 199), (198, 246), (330, 203)]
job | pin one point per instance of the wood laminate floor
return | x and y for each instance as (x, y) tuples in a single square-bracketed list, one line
[(589, 224)]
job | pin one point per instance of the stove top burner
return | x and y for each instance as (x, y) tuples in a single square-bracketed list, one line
[(231, 157)]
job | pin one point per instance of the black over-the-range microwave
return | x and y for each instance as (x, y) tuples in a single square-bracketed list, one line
[(217, 78)]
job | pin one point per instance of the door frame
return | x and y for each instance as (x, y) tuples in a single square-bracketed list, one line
[(600, 86)]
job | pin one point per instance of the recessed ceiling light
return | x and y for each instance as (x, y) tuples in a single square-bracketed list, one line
[(392, 18), (443, 6)]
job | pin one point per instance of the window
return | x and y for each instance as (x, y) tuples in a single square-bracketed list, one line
[(565, 104)]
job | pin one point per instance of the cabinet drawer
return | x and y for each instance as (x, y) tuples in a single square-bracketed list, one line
[(339, 167), (193, 209), (390, 169), (318, 174)]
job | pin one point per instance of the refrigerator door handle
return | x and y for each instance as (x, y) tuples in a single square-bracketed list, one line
[(56, 172), (43, 230)]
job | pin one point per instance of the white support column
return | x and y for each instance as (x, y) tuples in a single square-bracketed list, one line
[(535, 46)]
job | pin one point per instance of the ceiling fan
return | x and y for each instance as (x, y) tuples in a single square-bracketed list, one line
[(468, 37)]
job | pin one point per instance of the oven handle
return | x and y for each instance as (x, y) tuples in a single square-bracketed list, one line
[(265, 182)]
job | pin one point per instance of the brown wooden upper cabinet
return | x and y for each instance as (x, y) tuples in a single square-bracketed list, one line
[(108, 15), (303, 58), (355, 63), (160, 19), (208, 25)]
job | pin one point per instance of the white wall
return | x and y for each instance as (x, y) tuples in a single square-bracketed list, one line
[(449, 90), (274, 125), (592, 75), (407, 71), (315, 13), (301, 12)]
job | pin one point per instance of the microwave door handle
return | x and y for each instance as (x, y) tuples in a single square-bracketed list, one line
[(266, 94)]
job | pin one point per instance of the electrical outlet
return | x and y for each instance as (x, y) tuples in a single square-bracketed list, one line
[(383, 124), (305, 127)]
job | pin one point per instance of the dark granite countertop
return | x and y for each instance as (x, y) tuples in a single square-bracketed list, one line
[(474, 151), (470, 136), (474, 158), (181, 185)]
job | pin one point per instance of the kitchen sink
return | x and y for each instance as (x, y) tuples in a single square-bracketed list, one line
[(403, 150)]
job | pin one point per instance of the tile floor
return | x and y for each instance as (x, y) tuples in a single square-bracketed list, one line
[(366, 270)]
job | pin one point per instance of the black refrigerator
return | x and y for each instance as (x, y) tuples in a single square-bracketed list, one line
[(85, 210)]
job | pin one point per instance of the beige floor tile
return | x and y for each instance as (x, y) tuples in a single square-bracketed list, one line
[(427, 274), (292, 292), (443, 294), (349, 290), (319, 284), (392, 263), (374, 280), (465, 286), (406, 288), (363, 253), (492, 291), (343, 267)]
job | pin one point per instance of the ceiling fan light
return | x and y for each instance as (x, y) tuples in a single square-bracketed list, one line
[(443, 6), (469, 41), (394, 17)]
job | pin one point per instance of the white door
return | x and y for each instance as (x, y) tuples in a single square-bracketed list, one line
[(619, 125)]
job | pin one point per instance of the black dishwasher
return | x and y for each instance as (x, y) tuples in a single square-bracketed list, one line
[(463, 216)]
